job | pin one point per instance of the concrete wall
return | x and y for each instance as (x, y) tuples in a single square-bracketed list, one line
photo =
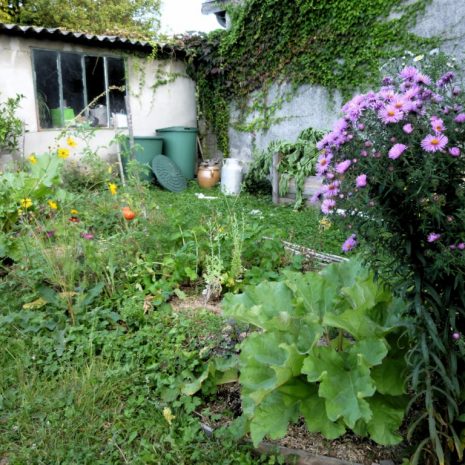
[(314, 106), (172, 104)]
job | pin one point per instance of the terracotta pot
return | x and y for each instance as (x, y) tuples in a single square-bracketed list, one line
[(208, 176)]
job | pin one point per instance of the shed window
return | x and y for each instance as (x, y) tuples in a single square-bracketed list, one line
[(70, 85)]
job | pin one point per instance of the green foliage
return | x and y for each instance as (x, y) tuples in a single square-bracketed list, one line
[(297, 161), (11, 127), (336, 44), (328, 349), (24, 192), (117, 17), (90, 172)]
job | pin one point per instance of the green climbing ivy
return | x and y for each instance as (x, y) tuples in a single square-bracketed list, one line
[(338, 44)]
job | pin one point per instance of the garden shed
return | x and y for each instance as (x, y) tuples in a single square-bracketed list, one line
[(64, 75)]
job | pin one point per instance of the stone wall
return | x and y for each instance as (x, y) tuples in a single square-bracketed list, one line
[(314, 106)]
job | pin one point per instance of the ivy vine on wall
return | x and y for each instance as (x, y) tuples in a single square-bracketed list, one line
[(338, 44)]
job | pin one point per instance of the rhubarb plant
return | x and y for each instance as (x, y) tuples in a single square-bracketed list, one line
[(329, 348)]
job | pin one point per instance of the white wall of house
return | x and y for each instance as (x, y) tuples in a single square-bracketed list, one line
[(153, 106)]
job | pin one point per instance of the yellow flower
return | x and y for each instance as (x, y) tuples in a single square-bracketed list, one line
[(71, 142), (63, 153), (73, 211), (325, 223), (32, 158), (53, 205), (168, 415), (26, 203), (113, 188)]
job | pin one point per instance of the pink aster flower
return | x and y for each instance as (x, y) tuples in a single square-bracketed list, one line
[(323, 163), (316, 197), (460, 118), (396, 151), (343, 166), (461, 246), (361, 181), (437, 124), (412, 92), (401, 103), (445, 79), (390, 114), (434, 143), (407, 128), (327, 206), (332, 189), (454, 151), (409, 73), (455, 335), (433, 237), (422, 79), (349, 244)]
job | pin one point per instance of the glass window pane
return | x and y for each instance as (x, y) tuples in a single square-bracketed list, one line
[(73, 88), (95, 82), (116, 78), (47, 88)]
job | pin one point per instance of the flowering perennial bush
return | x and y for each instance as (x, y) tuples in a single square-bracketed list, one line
[(394, 170)]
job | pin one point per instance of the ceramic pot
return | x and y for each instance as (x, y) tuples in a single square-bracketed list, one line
[(208, 176)]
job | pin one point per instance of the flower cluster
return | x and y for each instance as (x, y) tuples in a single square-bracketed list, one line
[(396, 159)]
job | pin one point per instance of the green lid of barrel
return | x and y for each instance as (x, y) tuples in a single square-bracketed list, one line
[(180, 146), (168, 174)]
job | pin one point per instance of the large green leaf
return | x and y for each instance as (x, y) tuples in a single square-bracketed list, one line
[(388, 414), (268, 306), (314, 411), (390, 377), (344, 382), (267, 361), (273, 415), (372, 350), (314, 296), (355, 322)]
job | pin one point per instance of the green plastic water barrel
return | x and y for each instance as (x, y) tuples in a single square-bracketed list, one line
[(180, 147), (145, 149)]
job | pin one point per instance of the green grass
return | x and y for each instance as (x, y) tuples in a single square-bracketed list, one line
[(108, 408), (301, 227)]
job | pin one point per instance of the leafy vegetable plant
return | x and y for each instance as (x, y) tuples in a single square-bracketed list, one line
[(297, 161), (329, 348)]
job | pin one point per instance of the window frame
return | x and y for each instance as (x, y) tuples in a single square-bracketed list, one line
[(83, 55)]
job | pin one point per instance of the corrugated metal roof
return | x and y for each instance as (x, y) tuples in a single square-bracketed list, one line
[(63, 35)]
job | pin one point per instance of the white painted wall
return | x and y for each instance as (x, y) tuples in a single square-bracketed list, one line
[(172, 104)]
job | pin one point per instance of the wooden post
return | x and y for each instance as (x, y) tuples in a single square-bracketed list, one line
[(275, 178), (130, 127)]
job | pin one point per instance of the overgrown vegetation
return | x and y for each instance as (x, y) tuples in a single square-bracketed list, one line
[(336, 44), (94, 359)]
